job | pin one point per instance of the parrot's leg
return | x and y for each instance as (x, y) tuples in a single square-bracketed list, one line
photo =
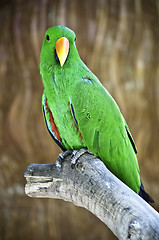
[(76, 154), (61, 158)]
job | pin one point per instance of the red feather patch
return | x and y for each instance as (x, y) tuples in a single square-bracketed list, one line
[(53, 125)]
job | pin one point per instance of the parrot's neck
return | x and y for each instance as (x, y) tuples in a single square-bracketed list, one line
[(57, 79)]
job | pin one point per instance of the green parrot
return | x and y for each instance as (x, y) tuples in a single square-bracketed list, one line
[(80, 113)]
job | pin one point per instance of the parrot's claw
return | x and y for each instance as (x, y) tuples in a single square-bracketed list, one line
[(76, 154), (61, 158)]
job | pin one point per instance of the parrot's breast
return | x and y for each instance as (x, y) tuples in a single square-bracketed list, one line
[(63, 123)]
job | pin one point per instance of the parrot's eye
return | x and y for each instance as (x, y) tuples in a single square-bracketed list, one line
[(47, 37), (75, 39)]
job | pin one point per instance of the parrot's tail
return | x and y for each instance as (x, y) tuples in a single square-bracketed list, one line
[(145, 195)]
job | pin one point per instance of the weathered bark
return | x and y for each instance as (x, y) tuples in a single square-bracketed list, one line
[(92, 186)]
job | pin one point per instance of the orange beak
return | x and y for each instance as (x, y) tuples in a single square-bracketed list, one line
[(62, 49)]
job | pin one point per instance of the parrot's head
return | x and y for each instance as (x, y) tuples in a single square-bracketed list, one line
[(58, 48)]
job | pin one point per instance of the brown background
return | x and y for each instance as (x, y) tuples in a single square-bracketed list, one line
[(119, 42)]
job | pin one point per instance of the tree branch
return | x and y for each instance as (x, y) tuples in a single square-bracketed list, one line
[(92, 186)]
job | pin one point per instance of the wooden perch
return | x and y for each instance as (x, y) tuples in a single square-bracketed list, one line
[(92, 186)]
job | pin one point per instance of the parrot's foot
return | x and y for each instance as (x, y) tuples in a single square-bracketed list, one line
[(61, 158), (76, 154)]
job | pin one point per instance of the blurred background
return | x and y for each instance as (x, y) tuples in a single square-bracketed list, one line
[(119, 41)]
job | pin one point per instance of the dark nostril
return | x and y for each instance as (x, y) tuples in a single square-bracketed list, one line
[(47, 37)]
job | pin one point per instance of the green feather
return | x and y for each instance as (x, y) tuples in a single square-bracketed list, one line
[(84, 112)]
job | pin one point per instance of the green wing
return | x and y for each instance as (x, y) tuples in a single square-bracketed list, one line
[(105, 131)]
